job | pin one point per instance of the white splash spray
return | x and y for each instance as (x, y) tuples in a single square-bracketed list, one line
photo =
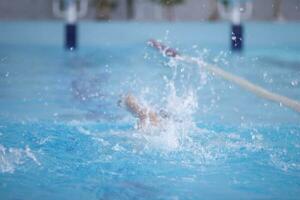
[(10, 158), (178, 103)]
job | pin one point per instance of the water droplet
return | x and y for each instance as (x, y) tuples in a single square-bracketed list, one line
[(294, 82)]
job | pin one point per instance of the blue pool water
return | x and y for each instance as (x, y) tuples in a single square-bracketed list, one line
[(63, 136)]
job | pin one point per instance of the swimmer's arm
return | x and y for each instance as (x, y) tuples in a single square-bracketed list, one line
[(142, 113), (134, 107)]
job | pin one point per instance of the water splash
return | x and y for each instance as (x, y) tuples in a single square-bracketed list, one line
[(10, 158), (177, 104)]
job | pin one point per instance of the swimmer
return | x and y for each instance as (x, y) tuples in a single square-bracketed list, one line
[(145, 115)]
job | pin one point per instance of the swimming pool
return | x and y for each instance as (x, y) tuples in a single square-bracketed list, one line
[(63, 136)]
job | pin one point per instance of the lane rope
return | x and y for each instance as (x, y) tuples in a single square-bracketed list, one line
[(258, 90)]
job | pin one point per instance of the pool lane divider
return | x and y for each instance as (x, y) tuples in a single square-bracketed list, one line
[(70, 11), (237, 37), (70, 37), (258, 90), (71, 25)]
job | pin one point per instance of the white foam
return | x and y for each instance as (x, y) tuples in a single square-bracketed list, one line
[(118, 147), (179, 122), (178, 102), (10, 158), (30, 155)]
